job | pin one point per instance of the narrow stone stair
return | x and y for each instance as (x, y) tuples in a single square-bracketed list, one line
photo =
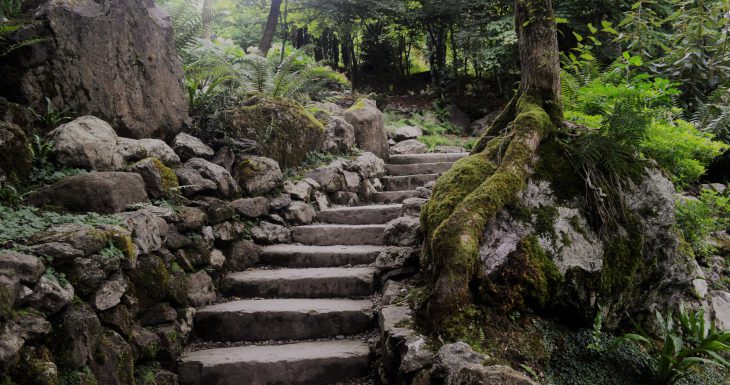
[(296, 320), (409, 172)]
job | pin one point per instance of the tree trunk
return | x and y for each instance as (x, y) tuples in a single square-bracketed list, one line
[(207, 17), (270, 28), (470, 195), (539, 55)]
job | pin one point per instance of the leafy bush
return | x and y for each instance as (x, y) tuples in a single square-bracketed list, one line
[(698, 219), (684, 343), (679, 148), (429, 126)]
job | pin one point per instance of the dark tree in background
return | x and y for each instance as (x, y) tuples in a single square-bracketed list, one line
[(270, 28)]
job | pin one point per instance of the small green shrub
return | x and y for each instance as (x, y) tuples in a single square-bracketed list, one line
[(429, 126), (698, 219), (431, 141), (684, 343)]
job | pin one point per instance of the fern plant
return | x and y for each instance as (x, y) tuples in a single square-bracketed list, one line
[(684, 343), (713, 115), (7, 44)]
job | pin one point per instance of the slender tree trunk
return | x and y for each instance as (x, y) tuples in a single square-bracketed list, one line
[(207, 16), (284, 30), (270, 28)]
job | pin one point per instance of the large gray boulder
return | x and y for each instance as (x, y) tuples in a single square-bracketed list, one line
[(407, 132), (28, 268), (107, 58), (370, 134), (100, 192), (458, 364), (87, 142), (200, 176), (410, 146), (188, 146), (257, 175)]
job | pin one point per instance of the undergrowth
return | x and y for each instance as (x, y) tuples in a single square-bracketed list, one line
[(17, 225)]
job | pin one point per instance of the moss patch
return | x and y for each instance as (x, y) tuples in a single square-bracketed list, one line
[(554, 166), (284, 129), (528, 279)]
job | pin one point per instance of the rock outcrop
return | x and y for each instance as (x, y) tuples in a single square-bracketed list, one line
[(370, 134), (99, 192), (111, 59)]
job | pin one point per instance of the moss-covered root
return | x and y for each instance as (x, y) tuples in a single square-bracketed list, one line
[(454, 244)]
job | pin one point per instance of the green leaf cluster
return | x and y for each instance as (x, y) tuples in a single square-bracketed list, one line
[(684, 342)]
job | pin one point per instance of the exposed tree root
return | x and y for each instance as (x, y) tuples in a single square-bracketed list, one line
[(465, 199)]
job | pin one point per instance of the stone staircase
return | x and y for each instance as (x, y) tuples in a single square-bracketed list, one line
[(300, 317)]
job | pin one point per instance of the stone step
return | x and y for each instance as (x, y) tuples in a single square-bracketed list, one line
[(305, 363), (283, 319), (417, 168), (393, 196), (362, 215), (329, 235), (323, 282), (426, 158), (408, 182), (319, 256)]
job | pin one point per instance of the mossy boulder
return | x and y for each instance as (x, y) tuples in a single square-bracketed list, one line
[(159, 180), (16, 155), (545, 252), (284, 129)]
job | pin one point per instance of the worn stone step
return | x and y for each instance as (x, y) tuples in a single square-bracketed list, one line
[(426, 158), (283, 319), (393, 196), (362, 215), (306, 363), (319, 256), (408, 182), (329, 235), (417, 168), (323, 282)]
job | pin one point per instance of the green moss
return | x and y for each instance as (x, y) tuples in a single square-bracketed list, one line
[(466, 325), (169, 178), (284, 129), (152, 280), (528, 279), (542, 218), (554, 166), (359, 105)]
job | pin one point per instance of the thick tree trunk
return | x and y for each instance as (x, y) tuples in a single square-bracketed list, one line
[(270, 28), (539, 55), (470, 195)]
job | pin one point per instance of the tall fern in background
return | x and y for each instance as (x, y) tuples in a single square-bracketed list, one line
[(10, 23), (713, 116)]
